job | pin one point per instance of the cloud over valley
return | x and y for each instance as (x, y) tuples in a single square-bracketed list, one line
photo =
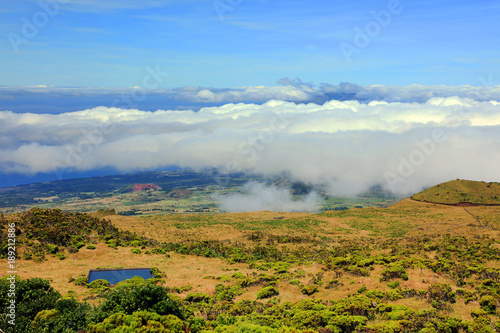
[(404, 144)]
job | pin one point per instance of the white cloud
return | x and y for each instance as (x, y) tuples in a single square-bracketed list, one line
[(258, 197), (289, 90), (347, 145)]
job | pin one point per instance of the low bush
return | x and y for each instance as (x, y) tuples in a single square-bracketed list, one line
[(309, 289), (394, 271), (267, 292), (197, 297)]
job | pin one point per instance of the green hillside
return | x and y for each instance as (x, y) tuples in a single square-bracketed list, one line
[(461, 191)]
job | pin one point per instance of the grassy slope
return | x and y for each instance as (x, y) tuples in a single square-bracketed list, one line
[(396, 226), (461, 191)]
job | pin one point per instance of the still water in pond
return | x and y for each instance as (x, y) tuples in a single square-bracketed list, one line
[(118, 275)]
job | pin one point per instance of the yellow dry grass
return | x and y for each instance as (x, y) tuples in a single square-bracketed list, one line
[(416, 219)]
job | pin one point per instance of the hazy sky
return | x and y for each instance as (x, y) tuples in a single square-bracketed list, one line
[(233, 43)]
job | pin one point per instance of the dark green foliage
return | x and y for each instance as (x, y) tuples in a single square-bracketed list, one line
[(31, 296), (348, 323), (267, 292), (81, 281), (393, 285), (226, 293), (362, 289), (139, 321), (99, 285), (309, 289), (130, 298), (157, 274), (67, 316), (489, 304), (197, 297), (79, 245), (48, 231), (393, 271), (440, 294)]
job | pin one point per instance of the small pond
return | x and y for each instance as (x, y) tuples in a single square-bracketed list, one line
[(113, 276)]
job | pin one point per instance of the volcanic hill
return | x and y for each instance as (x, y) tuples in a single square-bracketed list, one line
[(462, 193)]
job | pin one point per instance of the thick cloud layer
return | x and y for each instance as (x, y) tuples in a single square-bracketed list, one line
[(347, 145)]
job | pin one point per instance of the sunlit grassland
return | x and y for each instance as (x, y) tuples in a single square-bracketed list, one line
[(392, 256)]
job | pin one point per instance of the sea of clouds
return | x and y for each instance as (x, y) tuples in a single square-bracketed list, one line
[(404, 138)]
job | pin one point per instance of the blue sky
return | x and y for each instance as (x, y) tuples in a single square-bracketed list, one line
[(92, 43)]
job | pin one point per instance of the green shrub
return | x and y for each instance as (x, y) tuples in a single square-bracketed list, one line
[(91, 247), (440, 294), (489, 304), (348, 323), (294, 282), (281, 267), (299, 273), (197, 297), (394, 271), (185, 288), (309, 319), (52, 249), (393, 285), (99, 285), (144, 320), (267, 292), (31, 297), (135, 243), (245, 307), (226, 293), (61, 256), (358, 271), (375, 294), (157, 273), (333, 283), (79, 245), (81, 281), (309, 289), (362, 289), (136, 251), (131, 297), (394, 295)]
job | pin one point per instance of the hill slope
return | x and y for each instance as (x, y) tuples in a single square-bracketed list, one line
[(456, 192)]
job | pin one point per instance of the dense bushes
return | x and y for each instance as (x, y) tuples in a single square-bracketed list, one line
[(31, 297), (49, 231), (131, 298)]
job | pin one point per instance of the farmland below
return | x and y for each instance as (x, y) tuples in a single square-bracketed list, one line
[(160, 192), (411, 267)]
